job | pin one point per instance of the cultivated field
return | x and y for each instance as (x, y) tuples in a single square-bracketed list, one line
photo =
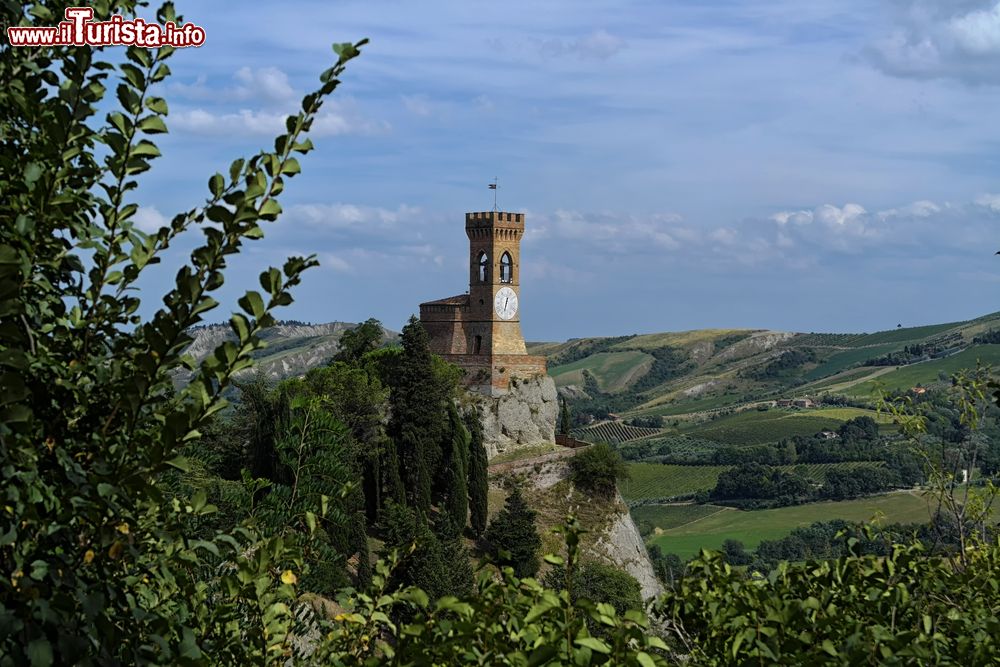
[(651, 481), (927, 372), (656, 480), (613, 432), (753, 427), (665, 517), (753, 527), (844, 360)]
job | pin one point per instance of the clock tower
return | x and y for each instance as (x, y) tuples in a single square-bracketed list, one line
[(480, 331)]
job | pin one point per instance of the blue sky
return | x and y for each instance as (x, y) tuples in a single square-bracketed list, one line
[(806, 166)]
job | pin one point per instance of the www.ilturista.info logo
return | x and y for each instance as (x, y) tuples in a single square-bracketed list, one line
[(79, 29)]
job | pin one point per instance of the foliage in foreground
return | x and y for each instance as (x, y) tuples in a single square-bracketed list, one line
[(903, 608), (506, 621), (101, 565)]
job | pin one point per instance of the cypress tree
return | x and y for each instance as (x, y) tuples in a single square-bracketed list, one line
[(513, 531), (393, 490), (419, 418), (478, 475), (457, 498), (564, 419)]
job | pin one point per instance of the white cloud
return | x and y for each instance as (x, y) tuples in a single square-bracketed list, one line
[(419, 105), (989, 201), (149, 219), (267, 82), (335, 263), (598, 45), (918, 209), (332, 120), (955, 39), (263, 84), (614, 232), (352, 216), (978, 32)]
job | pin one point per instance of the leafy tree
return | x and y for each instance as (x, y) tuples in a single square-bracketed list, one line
[(478, 475), (355, 396), (357, 342), (598, 468), (734, 553), (512, 537), (98, 564)]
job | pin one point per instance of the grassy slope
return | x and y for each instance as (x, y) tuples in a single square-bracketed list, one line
[(613, 370), (753, 527), (927, 371), (719, 376)]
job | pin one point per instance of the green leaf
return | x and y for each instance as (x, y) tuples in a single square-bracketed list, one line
[(270, 210), (161, 73), (133, 75), (189, 645), (128, 99), (291, 167), (828, 647), (180, 462), (644, 659), (345, 51), (157, 105), (594, 644), (235, 169), (32, 172), (216, 185), (240, 327), (152, 125), (40, 653), (139, 55), (252, 303), (145, 148), (303, 146)]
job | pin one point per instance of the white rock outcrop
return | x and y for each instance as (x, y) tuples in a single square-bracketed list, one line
[(623, 546), (523, 417)]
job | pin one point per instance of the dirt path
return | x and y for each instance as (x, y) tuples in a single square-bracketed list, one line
[(864, 378), (510, 466), (720, 511)]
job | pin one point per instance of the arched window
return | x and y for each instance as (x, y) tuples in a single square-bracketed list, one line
[(506, 270), (484, 267), (477, 345)]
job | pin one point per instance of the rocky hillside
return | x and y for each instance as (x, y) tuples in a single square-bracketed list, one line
[(611, 537), (292, 347)]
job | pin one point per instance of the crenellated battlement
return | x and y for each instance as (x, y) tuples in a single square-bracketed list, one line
[(490, 218)]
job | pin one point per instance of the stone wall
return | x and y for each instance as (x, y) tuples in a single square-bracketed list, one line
[(523, 416)]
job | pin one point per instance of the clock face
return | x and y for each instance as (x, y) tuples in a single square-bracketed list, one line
[(505, 303)]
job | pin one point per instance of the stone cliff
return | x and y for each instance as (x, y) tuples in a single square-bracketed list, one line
[(523, 417)]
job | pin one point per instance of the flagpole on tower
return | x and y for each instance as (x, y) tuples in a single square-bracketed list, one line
[(493, 187)]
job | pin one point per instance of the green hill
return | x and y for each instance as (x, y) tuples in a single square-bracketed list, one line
[(693, 374)]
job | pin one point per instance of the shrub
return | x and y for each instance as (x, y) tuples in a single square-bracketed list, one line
[(598, 468)]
